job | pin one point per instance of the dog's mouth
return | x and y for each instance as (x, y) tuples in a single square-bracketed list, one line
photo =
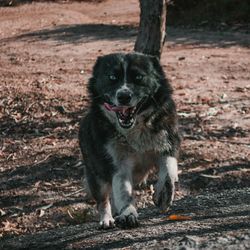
[(126, 115)]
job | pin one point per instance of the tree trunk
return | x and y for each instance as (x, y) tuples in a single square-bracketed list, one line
[(151, 34)]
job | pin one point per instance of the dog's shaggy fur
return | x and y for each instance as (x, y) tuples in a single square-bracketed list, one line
[(130, 129)]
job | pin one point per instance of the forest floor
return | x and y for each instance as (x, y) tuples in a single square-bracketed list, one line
[(47, 51)]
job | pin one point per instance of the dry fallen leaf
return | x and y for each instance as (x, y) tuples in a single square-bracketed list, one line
[(211, 176), (46, 206), (176, 217), (10, 227), (70, 214), (42, 212), (2, 213), (37, 184)]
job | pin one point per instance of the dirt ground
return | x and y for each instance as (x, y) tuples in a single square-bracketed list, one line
[(47, 51)]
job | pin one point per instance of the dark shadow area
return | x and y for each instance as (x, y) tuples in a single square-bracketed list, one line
[(17, 201), (215, 202), (197, 38), (85, 33), (213, 13), (195, 127), (27, 176), (213, 175), (227, 132), (208, 217), (33, 128), (38, 116), (128, 242), (12, 3), (82, 33), (51, 241), (217, 206), (225, 215)]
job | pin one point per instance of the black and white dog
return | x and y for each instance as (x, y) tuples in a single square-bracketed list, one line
[(130, 129)]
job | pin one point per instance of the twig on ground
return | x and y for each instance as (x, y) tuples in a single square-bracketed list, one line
[(43, 160), (76, 192)]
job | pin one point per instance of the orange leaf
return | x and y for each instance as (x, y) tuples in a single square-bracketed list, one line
[(178, 217)]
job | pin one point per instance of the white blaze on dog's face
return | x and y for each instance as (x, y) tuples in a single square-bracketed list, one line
[(125, 82)]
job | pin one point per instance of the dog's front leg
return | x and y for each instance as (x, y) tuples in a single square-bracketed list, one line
[(106, 219), (123, 200), (100, 190), (165, 186)]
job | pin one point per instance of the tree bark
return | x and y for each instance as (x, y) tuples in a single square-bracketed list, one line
[(151, 36)]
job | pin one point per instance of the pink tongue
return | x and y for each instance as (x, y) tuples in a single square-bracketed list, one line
[(116, 108)]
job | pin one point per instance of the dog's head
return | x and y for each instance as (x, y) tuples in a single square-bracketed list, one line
[(123, 84)]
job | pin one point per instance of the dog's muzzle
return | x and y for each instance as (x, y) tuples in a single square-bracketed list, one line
[(126, 115), (124, 97)]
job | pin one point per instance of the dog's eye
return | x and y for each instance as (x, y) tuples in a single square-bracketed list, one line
[(112, 77), (139, 77)]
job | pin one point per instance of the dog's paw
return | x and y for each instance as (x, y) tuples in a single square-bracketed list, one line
[(107, 222), (164, 193), (127, 221), (128, 218)]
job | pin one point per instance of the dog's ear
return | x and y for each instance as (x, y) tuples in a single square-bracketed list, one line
[(156, 64), (165, 89), (92, 88), (97, 65)]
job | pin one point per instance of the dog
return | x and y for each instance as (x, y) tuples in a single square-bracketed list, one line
[(130, 129)]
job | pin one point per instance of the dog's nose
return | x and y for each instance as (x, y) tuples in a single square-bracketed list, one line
[(124, 97)]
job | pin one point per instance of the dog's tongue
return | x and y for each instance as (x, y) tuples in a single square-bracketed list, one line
[(121, 109)]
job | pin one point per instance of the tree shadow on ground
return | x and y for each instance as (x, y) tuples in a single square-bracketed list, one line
[(232, 177), (85, 33), (82, 33), (173, 234), (10, 3), (197, 38), (55, 168), (29, 129), (36, 185), (213, 214), (196, 127)]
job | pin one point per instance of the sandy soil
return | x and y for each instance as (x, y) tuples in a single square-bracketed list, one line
[(47, 51)]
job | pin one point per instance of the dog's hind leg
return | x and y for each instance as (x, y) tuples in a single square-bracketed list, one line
[(165, 186), (123, 200)]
